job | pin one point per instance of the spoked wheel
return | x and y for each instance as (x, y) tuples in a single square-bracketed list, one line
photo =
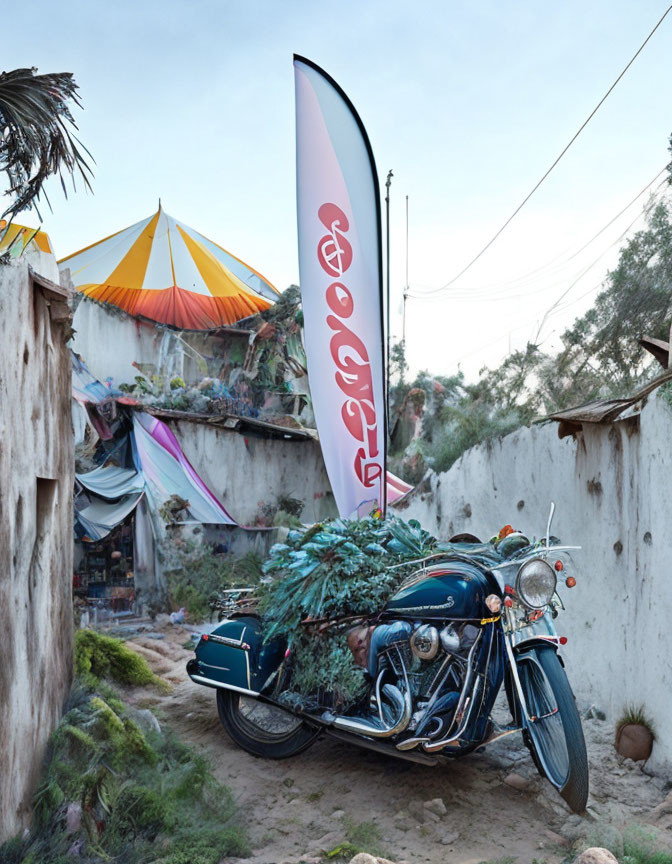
[(554, 736), (261, 729)]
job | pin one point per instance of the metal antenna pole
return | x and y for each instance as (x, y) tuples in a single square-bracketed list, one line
[(388, 183), (403, 314)]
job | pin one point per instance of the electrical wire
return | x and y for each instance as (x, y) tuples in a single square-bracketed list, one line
[(549, 312), (555, 308), (550, 266), (557, 160), (503, 291)]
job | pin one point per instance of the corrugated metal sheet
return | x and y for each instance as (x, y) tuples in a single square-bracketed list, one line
[(605, 410)]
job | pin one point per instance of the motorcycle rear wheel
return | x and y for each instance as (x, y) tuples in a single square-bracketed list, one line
[(263, 730), (555, 738)]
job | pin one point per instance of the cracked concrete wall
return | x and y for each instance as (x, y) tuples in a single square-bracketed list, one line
[(245, 472), (613, 493), (36, 481), (109, 341)]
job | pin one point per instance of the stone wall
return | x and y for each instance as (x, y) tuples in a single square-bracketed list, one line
[(246, 472), (109, 342), (36, 481), (613, 493)]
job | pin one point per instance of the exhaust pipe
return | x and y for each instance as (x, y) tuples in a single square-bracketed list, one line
[(376, 727)]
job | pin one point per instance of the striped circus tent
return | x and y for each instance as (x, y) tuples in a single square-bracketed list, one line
[(15, 239), (163, 270)]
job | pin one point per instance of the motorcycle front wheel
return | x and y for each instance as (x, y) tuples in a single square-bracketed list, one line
[(554, 735), (261, 729)]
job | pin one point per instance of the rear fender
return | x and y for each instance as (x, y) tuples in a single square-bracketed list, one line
[(234, 656)]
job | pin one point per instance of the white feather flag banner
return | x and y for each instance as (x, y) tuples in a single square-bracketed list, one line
[(338, 205)]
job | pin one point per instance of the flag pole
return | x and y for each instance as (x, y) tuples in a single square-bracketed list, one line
[(388, 183), (403, 317)]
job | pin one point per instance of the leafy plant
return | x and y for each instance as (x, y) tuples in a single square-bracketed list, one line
[(98, 656), (36, 140), (196, 575), (334, 570), (139, 797)]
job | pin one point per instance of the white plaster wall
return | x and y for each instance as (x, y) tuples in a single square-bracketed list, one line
[(613, 492), (36, 481), (110, 342), (244, 472)]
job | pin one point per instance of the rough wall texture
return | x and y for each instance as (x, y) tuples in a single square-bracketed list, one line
[(110, 341), (613, 492), (36, 483), (246, 472)]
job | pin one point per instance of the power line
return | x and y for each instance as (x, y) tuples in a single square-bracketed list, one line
[(503, 290), (566, 148), (553, 309), (549, 311)]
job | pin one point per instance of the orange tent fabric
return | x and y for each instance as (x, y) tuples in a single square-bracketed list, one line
[(163, 270)]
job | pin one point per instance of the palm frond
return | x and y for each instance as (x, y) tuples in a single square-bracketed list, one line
[(36, 136)]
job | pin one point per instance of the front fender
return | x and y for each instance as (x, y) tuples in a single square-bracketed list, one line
[(235, 656), (539, 632)]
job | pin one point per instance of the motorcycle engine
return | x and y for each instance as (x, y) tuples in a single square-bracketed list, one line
[(433, 658)]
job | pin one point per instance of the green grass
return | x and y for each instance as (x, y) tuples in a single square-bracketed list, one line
[(143, 797), (98, 657), (634, 844), (635, 715), (360, 837), (640, 846)]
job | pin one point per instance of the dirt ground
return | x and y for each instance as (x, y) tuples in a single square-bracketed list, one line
[(496, 805)]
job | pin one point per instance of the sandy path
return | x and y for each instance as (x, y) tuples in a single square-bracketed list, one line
[(290, 805)]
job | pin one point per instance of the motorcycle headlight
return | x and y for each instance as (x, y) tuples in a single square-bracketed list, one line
[(536, 583)]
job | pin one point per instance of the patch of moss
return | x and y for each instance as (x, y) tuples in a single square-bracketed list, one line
[(98, 656), (142, 798)]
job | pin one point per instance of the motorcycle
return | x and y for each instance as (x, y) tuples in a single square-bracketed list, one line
[(462, 625)]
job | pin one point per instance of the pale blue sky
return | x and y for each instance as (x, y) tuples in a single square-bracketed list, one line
[(468, 102)]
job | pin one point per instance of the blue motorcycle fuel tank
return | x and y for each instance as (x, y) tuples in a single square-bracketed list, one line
[(452, 589)]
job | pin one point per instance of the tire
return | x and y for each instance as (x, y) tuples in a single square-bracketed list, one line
[(273, 734), (556, 738)]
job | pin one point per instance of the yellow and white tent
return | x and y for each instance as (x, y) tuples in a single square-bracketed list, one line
[(163, 270), (16, 239)]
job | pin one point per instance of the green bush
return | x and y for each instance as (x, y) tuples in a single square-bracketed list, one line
[(143, 798), (196, 575), (99, 656)]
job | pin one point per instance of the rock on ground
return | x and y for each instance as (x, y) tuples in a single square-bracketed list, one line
[(516, 781), (596, 855), (436, 806)]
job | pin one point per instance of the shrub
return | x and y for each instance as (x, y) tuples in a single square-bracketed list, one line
[(196, 575), (99, 656), (143, 798)]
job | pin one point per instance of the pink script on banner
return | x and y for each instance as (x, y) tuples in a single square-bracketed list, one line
[(348, 352)]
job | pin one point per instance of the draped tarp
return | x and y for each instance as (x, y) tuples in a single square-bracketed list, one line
[(85, 386), (167, 471), (98, 517), (338, 206), (396, 488), (110, 481)]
